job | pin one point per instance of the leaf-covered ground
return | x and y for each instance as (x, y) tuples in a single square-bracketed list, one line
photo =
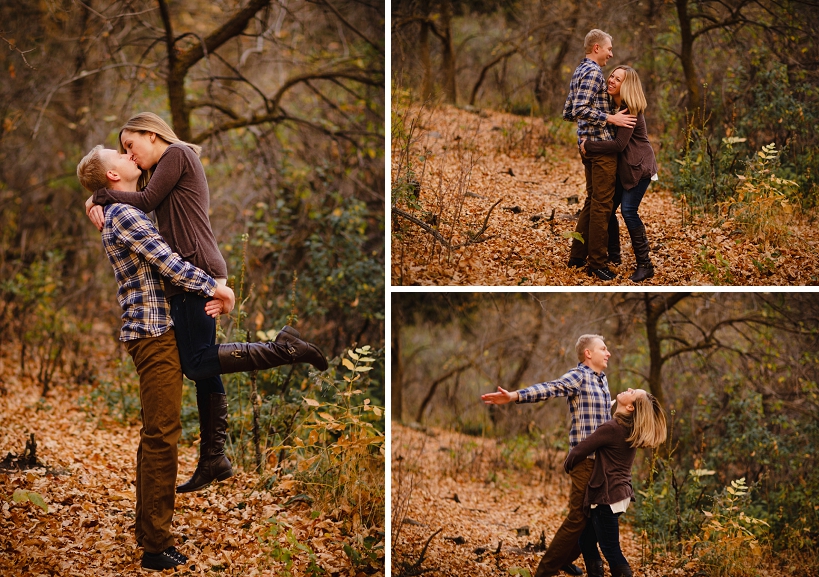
[(464, 162), (234, 528), (490, 516)]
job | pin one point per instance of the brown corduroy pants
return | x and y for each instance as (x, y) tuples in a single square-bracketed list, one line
[(565, 547), (593, 222), (160, 393)]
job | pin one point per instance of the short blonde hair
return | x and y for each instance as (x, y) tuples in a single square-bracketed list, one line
[(584, 343), (631, 90), (144, 122), (92, 170), (647, 423), (594, 36)]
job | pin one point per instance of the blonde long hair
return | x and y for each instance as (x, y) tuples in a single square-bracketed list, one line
[(631, 90), (647, 422), (149, 122)]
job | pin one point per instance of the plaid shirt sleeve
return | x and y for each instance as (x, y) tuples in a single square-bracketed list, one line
[(587, 396), (582, 101), (138, 234), (566, 386)]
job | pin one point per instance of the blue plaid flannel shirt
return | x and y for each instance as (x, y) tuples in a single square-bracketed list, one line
[(139, 256), (588, 102), (587, 395)]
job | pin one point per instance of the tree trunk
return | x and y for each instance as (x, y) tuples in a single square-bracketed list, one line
[(448, 65), (180, 120), (434, 387), (655, 307), (692, 83), (484, 70), (649, 78), (423, 55), (513, 382), (655, 353), (557, 89), (397, 370)]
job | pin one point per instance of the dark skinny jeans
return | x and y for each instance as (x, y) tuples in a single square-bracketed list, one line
[(196, 340), (602, 528), (629, 202)]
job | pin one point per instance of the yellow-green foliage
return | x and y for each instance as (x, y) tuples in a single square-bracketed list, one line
[(339, 450), (762, 202), (729, 544)]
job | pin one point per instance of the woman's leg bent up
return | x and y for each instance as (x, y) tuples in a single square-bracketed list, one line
[(196, 339)]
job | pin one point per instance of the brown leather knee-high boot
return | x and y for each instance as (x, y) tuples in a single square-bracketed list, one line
[(639, 242), (287, 349), (213, 464)]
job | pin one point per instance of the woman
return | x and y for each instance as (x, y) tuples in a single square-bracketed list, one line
[(638, 421), (175, 187), (636, 168)]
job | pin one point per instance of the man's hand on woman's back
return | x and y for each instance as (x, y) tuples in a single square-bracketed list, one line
[(622, 118)]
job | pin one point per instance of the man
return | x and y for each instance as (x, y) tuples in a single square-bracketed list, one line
[(591, 107), (587, 392), (140, 257)]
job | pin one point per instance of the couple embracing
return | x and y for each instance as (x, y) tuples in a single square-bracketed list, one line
[(603, 447), (619, 165), (172, 286)]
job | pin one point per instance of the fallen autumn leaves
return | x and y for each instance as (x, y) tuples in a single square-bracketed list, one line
[(461, 163), (234, 528), (491, 517)]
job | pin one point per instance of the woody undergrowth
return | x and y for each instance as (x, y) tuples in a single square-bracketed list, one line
[(319, 433), (733, 491), (428, 213), (754, 171)]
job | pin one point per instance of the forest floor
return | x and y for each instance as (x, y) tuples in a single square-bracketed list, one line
[(236, 527), (494, 520), (464, 163)]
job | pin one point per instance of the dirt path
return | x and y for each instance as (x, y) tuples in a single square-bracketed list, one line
[(466, 162), (494, 507)]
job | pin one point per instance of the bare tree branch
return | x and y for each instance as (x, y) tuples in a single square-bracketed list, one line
[(378, 48), (473, 239)]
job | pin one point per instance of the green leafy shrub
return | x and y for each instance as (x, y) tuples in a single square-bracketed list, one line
[(762, 202), (729, 544), (737, 433), (339, 446)]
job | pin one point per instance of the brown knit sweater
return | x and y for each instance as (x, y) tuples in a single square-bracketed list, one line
[(610, 480), (178, 191), (635, 160)]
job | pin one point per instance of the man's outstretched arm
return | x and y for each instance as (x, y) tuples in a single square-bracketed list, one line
[(565, 386), (501, 397)]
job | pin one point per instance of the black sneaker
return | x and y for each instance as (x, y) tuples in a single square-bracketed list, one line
[(167, 559), (576, 262), (601, 273)]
